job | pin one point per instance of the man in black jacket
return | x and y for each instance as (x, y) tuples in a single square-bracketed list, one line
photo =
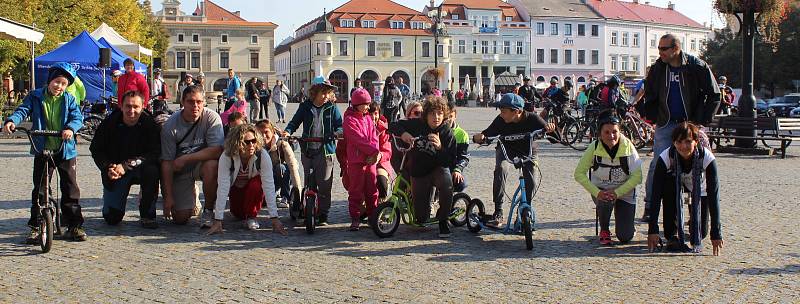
[(679, 87), (126, 148), (528, 92)]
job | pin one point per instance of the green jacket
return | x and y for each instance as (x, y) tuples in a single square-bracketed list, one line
[(597, 171)]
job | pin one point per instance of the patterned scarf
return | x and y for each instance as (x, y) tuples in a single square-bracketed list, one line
[(694, 206)]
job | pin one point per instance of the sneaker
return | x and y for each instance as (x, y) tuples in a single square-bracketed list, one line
[(605, 237), (252, 224), (322, 221), (646, 216), (354, 225), (148, 223), (33, 236), (76, 234), (283, 203), (206, 219), (496, 220), (675, 246), (444, 230)]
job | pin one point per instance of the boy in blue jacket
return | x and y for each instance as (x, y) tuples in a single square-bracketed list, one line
[(52, 108)]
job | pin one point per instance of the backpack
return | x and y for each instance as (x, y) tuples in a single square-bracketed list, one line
[(594, 93), (258, 162), (596, 162)]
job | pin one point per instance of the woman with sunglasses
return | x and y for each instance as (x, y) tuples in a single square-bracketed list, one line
[(245, 179)]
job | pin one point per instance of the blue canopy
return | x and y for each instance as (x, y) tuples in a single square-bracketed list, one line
[(83, 52)]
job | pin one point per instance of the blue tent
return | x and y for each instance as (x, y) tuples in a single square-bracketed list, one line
[(83, 52)]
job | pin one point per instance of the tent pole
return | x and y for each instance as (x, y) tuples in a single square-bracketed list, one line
[(33, 67)]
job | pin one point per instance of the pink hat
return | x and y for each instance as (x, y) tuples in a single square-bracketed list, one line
[(359, 97)]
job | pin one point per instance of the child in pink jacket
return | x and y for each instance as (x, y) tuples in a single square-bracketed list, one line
[(363, 154)]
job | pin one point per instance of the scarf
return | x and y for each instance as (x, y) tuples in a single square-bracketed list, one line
[(694, 206)]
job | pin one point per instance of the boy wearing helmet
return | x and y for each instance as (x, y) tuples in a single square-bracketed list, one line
[(52, 108)]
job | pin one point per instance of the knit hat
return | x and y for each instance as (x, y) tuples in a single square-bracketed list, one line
[(61, 69), (360, 96)]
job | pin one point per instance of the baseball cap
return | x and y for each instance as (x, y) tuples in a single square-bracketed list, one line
[(320, 80), (511, 101)]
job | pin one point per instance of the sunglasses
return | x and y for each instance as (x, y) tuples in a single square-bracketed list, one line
[(250, 141), (665, 48)]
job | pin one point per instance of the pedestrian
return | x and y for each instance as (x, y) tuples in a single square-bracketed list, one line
[(230, 92), (52, 108), (253, 98), (727, 98), (187, 80), (265, 97), (280, 96), (391, 101), (362, 156), (680, 87), (245, 181), (133, 81), (610, 170), (239, 105), (686, 166), (583, 100)]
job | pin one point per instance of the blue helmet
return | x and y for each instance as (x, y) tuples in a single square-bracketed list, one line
[(62, 69), (613, 81)]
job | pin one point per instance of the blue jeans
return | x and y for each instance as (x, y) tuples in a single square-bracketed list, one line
[(116, 197), (281, 177), (661, 142), (279, 108)]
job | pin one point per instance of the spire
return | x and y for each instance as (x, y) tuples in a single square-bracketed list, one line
[(197, 10)]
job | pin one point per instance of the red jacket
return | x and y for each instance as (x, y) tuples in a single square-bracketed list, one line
[(361, 136), (133, 81), (385, 144)]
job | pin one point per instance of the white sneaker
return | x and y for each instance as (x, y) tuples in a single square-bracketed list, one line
[(283, 203), (252, 224), (206, 219)]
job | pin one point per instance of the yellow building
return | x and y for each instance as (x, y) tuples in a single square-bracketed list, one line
[(369, 40)]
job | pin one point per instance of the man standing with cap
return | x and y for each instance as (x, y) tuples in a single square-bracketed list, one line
[(529, 94)]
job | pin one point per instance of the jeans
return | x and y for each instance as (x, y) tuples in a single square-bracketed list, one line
[(116, 197), (662, 141), (421, 188), (279, 108), (264, 110), (70, 193), (624, 213), (323, 178), (501, 168), (255, 110), (281, 178)]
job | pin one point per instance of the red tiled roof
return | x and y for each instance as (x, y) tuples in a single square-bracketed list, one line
[(420, 18), (478, 4), (397, 18), (629, 11), (382, 11), (374, 6), (216, 12), (346, 16), (220, 22), (367, 17)]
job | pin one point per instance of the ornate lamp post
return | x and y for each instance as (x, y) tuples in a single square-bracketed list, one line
[(436, 15)]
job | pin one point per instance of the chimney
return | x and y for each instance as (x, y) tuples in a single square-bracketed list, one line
[(671, 6), (237, 13)]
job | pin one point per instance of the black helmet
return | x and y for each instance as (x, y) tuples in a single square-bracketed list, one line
[(608, 118)]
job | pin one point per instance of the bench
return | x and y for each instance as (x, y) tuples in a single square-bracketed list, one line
[(767, 129)]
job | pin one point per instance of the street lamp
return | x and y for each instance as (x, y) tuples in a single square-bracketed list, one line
[(436, 15), (747, 30)]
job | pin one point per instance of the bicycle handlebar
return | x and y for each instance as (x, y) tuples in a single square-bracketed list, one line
[(404, 149), (502, 139), (47, 133)]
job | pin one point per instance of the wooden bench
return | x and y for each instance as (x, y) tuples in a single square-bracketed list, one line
[(767, 129)]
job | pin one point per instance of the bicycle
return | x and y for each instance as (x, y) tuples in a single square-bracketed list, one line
[(560, 116), (49, 213), (94, 114), (301, 206), (525, 213), (386, 218)]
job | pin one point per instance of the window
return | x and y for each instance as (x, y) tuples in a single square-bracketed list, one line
[(347, 23), (455, 16), (653, 40), (195, 60), (624, 61), (494, 47), (553, 56), (417, 25), (613, 63), (319, 49), (328, 48), (342, 47), (254, 60), (509, 18), (567, 29), (180, 37), (595, 30), (694, 45), (370, 48), (567, 56), (180, 60), (253, 39), (553, 28), (595, 57), (223, 38), (224, 59), (484, 47), (195, 38), (462, 47), (539, 55), (398, 48), (635, 39), (507, 47), (368, 23), (581, 30), (519, 48), (635, 63), (614, 38), (398, 24), (484, 21), (426, 49), (581, 56), (474, 46), (625, 36), (539, 28), (440, 51)]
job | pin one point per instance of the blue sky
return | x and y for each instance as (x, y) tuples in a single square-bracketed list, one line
[(291, 14)]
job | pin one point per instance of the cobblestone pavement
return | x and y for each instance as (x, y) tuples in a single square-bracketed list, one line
[(760, 261)]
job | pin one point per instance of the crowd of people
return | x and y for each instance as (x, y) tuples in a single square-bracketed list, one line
[(246, 163)]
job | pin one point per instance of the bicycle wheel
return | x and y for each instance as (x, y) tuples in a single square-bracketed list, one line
[(57, 216), (565, 122), (475, 213), (632, 133), (46, 229), (90, 125), (578, 135), (296, 207), (458, 215), (769, 133), (310, 213), (527, 227), (385, 219)]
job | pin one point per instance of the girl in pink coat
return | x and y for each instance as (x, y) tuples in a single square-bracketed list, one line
[(363, 153)]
